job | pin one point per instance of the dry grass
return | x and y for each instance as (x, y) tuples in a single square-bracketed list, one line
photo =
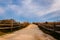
[(2, 33)]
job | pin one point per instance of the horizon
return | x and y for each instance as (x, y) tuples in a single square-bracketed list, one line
[(30, 10)]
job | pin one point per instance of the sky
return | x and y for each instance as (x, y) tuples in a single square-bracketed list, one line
[(30, 10)]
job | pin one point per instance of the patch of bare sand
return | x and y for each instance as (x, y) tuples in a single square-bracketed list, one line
[(31, 32)]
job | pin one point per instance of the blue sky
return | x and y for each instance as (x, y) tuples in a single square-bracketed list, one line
[(30, 10)]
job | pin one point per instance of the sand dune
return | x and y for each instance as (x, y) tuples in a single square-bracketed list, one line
[(31, 32)]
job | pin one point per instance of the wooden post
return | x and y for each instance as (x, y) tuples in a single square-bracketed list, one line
[(11, 25), (54, 26)]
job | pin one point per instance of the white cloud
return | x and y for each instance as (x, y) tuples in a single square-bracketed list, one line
[(56, 4), (28, 8), (54, 7), (15, 8), (2, 10)]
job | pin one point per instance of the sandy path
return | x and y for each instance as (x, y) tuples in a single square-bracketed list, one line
[(31, 32)]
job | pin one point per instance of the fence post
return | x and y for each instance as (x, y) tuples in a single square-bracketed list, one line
[(11, 25), (54, 26)]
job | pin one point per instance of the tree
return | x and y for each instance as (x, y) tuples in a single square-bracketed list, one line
[(46, 22)]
